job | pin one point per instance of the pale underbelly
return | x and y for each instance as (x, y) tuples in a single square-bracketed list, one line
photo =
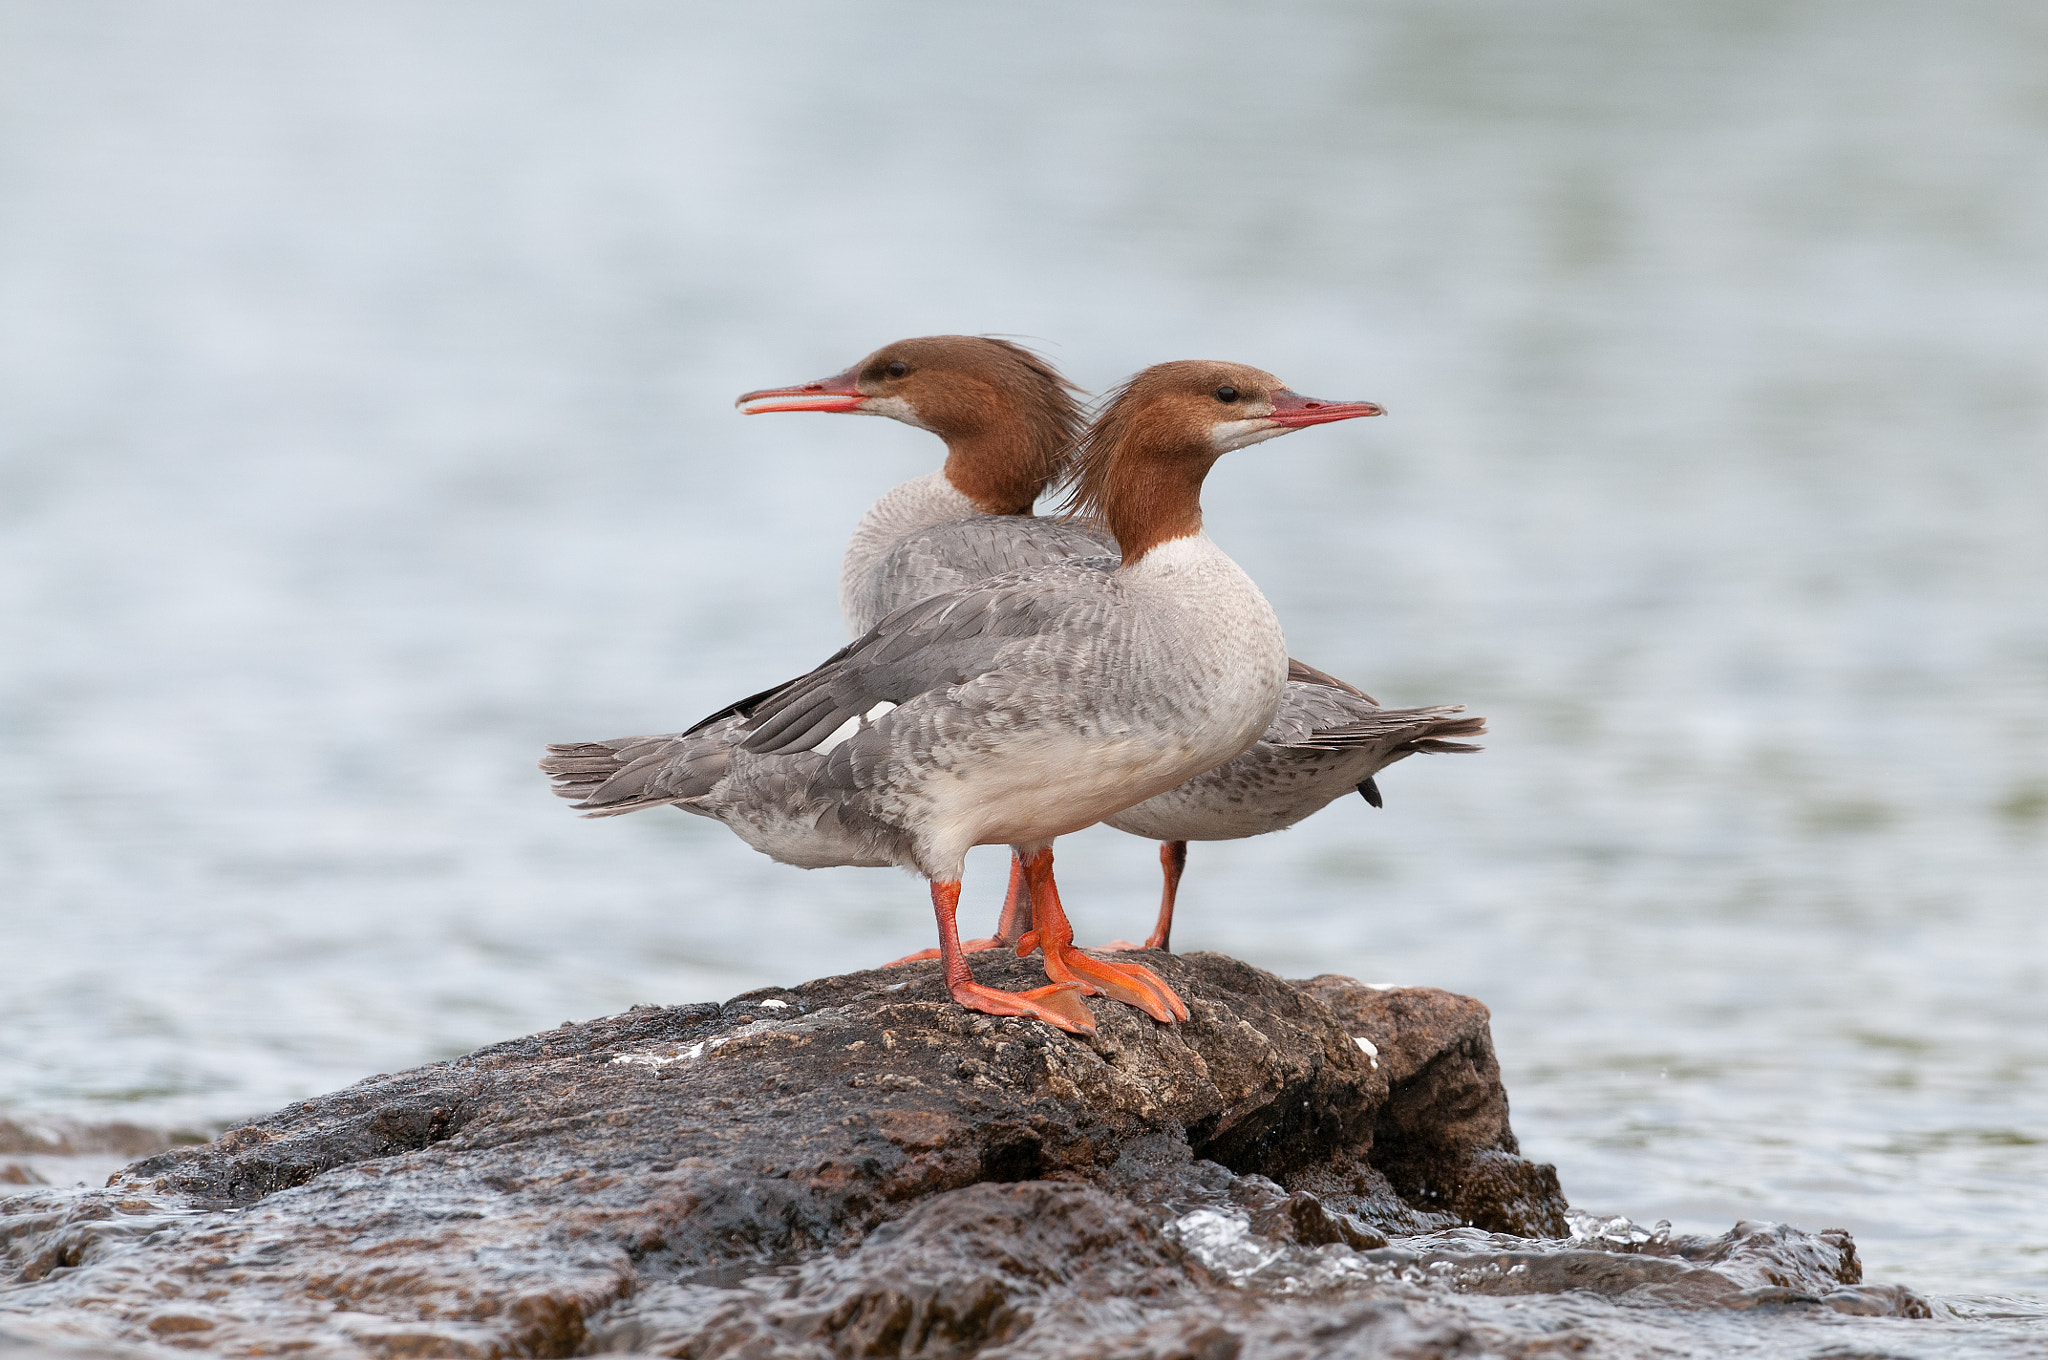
[(1058, 784)]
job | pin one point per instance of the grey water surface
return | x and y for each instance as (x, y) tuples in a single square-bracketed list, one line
[(365, 422)]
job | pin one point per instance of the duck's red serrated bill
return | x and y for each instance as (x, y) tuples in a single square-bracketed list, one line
[(1293, 410), (837, 393)]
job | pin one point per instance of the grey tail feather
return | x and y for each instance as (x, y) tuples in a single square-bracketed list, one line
[(1424, 729), (1369, 790), (1435, 738), (579, 767), (627, 774)]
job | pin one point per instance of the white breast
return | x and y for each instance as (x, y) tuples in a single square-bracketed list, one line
[(1224, 655), (916, 504)]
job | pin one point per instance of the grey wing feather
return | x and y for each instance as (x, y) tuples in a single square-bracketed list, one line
[(929, 645), (992, 545), (959, 554)]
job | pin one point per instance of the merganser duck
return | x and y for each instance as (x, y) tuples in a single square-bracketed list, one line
[(1010, 422), (1008, 419), (1033, 704)]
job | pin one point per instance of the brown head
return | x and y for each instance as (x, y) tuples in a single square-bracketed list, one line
[(1140, 466), (1008, 418)]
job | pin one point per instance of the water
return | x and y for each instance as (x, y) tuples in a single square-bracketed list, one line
[(367, 377)]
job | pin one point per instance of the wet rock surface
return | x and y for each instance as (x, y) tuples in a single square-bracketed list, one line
[(857, 1167)]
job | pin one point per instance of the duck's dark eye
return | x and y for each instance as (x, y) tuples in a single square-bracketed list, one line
[(897, 368), (1226, 393)]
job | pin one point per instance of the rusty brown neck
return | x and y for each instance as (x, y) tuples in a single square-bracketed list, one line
[(1004, 463), (1154, 494)]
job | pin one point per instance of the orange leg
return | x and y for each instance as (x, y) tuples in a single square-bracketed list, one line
[(1131, 983), (1058, 1005), (1016, 917), (1173, 857), (1010, 927)]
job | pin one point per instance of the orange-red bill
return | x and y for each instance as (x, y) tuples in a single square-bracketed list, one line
[(1294, 410), (836, 393)]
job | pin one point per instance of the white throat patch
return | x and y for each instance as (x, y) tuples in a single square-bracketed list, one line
[(1236, 434), (896, 408)]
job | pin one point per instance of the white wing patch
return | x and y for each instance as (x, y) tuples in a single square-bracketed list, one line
[(844, 732)]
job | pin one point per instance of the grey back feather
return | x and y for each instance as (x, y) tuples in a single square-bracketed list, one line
[(962, 553)]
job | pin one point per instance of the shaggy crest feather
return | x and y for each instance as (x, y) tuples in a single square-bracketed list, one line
[(1086, 474), (1056, 415)]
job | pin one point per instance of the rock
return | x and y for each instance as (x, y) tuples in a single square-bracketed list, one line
[(1441, 1139), (859, 1167)]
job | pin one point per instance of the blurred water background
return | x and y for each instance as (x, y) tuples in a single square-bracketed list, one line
[(365, 384)]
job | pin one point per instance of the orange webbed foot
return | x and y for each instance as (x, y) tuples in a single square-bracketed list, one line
[(1131, 983), (1058, 1005)]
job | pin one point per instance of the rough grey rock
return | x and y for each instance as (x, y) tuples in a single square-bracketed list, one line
[(859, 1167)]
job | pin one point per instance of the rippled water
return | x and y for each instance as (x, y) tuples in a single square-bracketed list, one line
[(366, 390)]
